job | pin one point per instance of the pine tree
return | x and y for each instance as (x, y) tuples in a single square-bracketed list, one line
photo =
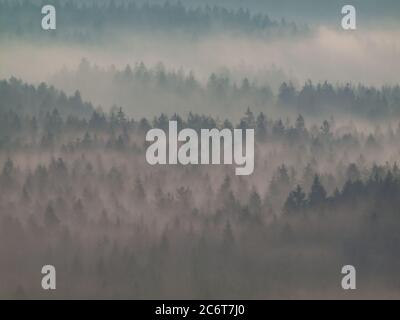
[(317, 194), (50, 218), (295, 202), (255, 204)]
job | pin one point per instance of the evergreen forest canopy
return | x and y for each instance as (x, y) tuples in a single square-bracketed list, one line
[(178, 91), (76, 191), (82, 22), (87, 201)]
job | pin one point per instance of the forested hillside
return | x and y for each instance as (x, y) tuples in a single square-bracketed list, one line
[(76, 192), (80, 98)]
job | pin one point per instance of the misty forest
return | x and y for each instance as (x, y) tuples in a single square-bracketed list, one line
[(76, 191)]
